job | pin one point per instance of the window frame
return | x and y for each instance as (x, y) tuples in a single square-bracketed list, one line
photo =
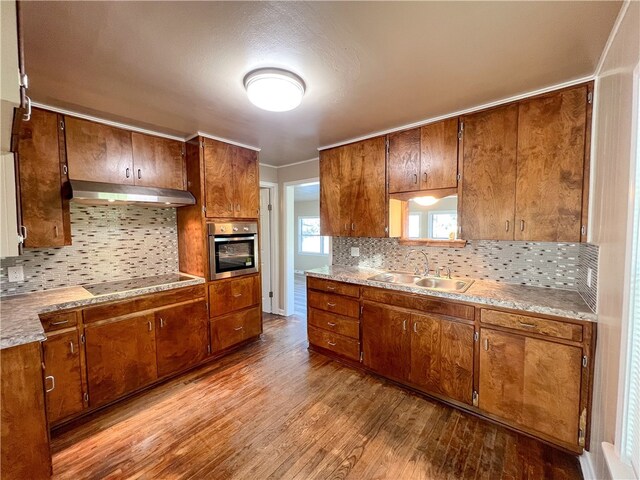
[(324, 240)]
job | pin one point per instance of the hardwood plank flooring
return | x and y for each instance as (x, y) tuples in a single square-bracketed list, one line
[(274, 410)]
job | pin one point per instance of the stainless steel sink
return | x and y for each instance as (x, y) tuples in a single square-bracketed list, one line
[(444, 284), (395, 277)]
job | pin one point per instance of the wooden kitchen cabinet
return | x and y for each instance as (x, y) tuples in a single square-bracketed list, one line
[(63, 375), (487, 203), (232, 294), (231, 181), (98, 153), (234, 328), (182, 337), (531, 382), (353, 199), (158, 162), (424, 158), (44, 207), (121, 357), (551, 156)]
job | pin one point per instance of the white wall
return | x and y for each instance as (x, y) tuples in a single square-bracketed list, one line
[(610, 199), (306, 261)]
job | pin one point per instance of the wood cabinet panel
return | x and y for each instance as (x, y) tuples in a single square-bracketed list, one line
[(439, 155), (218, 174), (384, 340), (121, 357), (343, 346), (182, 337), (232, 329), (333, 287), (330, 177), (527, 323), (425, 352), (233, 294), (531, 382), (58, 320), (551, 139), (246, 183), (62, 362), (334, 303), (158, 162), (489, 174), (349, 327), (44, 211), (404, 161), (98, 153), (25, 454)]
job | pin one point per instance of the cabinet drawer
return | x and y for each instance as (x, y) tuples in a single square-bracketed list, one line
[(333, 287), (346, 326), (59, 320), (334, 303), (526, 323), (235, 328), (226, 296), (345, 346)]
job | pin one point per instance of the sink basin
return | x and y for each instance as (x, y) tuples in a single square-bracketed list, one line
[(395, 277), (444, 284)]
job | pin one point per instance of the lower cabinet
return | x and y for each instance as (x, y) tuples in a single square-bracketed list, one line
[(234, 328), (121, 357), (232, 294), (182, 337), (531, 382), (63, 375), (385, 343)]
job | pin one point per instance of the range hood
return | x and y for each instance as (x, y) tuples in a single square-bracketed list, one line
[(98, 193)]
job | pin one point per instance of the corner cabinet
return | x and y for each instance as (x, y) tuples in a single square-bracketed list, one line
[(353, 193)]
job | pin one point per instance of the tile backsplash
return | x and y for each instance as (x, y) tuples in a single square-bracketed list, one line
[(554, 265), (108, 243)]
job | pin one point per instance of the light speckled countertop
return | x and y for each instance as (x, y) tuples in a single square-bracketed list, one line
[(548, 301), (19, 321)]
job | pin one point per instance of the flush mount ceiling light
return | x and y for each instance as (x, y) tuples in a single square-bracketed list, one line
[(426, 201), (274, 89)]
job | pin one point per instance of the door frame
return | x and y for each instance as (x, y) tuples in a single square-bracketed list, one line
[(273, 252)]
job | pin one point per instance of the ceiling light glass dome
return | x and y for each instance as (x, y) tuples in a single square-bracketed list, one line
[(274, 89)]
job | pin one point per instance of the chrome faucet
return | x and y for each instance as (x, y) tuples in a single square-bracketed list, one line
[(426, 259), (439, 269)]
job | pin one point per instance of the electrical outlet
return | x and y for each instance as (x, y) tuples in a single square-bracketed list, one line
[(355, 251), (589, 277), (16, 274)]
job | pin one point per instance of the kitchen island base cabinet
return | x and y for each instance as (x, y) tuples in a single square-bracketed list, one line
[(121, 357), (235, 328), (182, 339)]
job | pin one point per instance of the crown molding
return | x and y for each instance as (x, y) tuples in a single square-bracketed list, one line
[(221, 139), (314, 159)]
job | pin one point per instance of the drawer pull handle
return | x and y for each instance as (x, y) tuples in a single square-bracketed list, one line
[(331, 324), (71, 347), (415, 178), (237, 329), (333, 344), (161, 322), (404, 325), (527, 325), (415, 327), (236, 295), (329, 304), (150, 326), (53, 383), (61, 322), (486, 344), (329, 287), (506, 226)]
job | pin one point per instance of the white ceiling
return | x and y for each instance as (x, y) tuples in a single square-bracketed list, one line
[(177, 67), (308, 192)]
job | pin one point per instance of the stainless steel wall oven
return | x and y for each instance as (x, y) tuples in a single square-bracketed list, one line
[(233, 249)]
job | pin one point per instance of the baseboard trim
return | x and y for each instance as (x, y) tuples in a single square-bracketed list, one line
[(586, 464), (280, 312)]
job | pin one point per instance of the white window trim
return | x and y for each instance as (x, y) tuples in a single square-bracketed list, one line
[(419, 215), (322, 238)]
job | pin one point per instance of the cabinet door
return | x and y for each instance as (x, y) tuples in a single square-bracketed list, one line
[(182, 337), (551, 136), (330, 185), (489, 174), (425, 352), (404, 161), (385, 340), (62, 362), (234, 328), (218, 177), (366, 198), (121, 357), (158, 162), (233, 294), (45, 214), (531, 382), (246, 184), (439, 155), (98, 152)]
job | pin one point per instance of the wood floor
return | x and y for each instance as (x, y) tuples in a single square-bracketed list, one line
[(275, 410)]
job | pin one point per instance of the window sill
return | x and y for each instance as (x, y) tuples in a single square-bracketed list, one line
[(617, 469), (432, 243)]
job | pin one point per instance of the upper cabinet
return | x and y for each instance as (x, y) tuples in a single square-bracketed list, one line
[(353, 197), (158, 162), (42, 170), (232, 188), (101, 153), (424, 158)]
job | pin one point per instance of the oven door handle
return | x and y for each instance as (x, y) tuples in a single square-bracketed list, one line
[(251, 237)]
